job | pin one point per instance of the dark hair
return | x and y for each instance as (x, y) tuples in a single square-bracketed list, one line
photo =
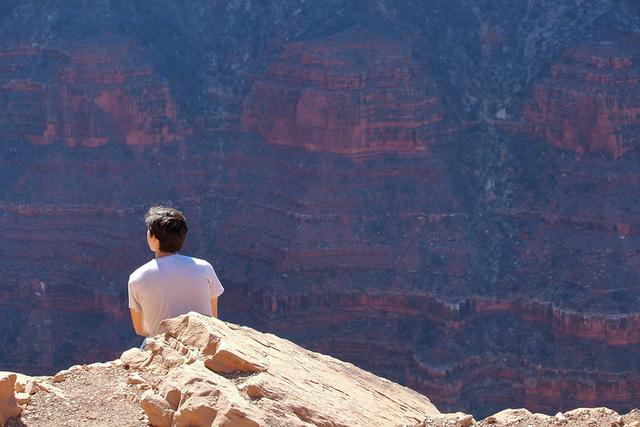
[(168, 225)]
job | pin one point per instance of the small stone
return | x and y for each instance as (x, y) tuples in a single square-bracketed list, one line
[(32, 387), (157, 409), (198, 410), (465, 421), (172, 394), (490, 420), (618, 422), (59, 377), (134, 357), (23, 398), (135, 379)]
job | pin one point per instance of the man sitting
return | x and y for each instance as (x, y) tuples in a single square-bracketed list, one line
[(170, 284)]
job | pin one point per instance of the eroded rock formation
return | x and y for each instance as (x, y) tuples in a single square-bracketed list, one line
[(352, 93), (90, 96), (590, 102), (261, 379)]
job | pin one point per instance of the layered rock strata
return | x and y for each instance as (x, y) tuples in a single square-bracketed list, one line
[(353, 93), (88, 97), (590, 102)]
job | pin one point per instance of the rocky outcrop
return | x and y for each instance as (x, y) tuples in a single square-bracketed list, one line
[(208, 371), (353, 93), (8, 406), (590, 102)]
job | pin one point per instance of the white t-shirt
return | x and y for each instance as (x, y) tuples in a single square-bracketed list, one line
[(172, 285)]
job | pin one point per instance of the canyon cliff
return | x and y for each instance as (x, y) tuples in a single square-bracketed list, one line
[(445, 196)]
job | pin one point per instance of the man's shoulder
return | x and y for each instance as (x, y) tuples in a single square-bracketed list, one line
[(198, 261), (141, 271)]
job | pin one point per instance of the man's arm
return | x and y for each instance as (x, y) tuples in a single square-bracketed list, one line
[(138, 325), (214, 307)]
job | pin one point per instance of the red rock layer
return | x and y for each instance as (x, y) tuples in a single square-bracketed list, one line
[(591, 100), (88, 97), (352, 93), (610, 329), (41, 233)]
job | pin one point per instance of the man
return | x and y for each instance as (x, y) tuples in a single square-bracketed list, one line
[(171, 284)]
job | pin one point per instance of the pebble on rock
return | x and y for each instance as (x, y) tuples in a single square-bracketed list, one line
[(23, 398), (135, 379), (31, 387)]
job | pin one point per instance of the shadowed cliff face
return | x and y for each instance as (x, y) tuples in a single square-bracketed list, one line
[(90, 98), (443, 195), (590, 101), (352, 93)]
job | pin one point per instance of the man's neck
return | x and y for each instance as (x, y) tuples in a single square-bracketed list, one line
[(160, 254)]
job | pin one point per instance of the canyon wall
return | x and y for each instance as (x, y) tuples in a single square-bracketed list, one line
[(353, 93), (446, 196), (90, 96), (589, 102)]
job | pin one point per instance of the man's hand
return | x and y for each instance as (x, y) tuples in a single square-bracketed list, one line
[(138, 324), (214, 307)]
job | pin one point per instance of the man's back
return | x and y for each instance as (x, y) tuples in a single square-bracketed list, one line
[(172, 285)]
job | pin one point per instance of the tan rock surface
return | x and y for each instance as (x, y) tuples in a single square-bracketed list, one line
[(157, 409), (210, 371), (8, 406), (90, 395), (21, 380), (59, 377), (23, 398)]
